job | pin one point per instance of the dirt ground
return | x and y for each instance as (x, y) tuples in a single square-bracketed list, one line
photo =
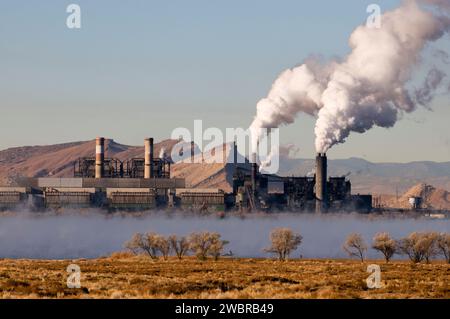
[(124, 276)]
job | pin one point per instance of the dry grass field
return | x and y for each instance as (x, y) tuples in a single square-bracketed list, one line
[(123, 276)]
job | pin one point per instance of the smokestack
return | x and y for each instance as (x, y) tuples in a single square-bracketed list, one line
[(235, 155), (148, 168), (235, 177), (99, 157), (254, 172), (192, 151), (321, 183), (152, 156)]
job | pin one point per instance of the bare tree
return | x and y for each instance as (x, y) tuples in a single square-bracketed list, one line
[(163, 246), (179, 245), (443, 244), (430, 245), (419, 246), (206, 243), (217, 245), (151, 244), (385, 244), (199, 244), (355, 246), (409, 246), (147, 243), (135, 243), (283, 242)]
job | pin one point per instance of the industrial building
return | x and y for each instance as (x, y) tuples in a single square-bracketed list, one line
[(317, 193), (145, 183)]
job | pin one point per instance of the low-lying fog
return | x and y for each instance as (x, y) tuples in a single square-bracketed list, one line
[(49, 236)]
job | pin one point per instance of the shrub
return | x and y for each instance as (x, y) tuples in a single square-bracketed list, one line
[(385, 244), (203, 244), (430, 245), (163, 246), (217, 245), (283, 242), (355, 246), (179, 245), (150, 243), (419, 246), (443, 244), (135, 243)]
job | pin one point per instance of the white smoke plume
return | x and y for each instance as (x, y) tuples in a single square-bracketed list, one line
[(286, 151), (289, 150), (370, 86), (162, 153), (296, 90)]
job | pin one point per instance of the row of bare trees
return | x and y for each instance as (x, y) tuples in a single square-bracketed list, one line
[(418, 246), (201, 244)]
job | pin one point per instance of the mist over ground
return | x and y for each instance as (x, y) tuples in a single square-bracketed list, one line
[(92, 234)]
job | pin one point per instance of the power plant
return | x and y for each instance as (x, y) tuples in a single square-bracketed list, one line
[(145, 183), (272, 192)]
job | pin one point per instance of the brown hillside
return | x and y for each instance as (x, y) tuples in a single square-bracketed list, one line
[(58, 161)]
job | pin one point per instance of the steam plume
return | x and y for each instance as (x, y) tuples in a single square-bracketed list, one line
[(162, 153), (370, 86)]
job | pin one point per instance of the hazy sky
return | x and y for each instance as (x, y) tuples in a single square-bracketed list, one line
[(143, 68)]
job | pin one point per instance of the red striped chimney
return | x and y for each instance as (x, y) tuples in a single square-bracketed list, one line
[(99, 157)]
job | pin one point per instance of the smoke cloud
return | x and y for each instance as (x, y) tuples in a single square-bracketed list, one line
[(369, 87), (289, 150)]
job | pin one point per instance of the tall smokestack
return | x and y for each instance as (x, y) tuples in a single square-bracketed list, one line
[(192, 151), (321, 183), (148, 156), (152, 156), (254, 172), (99, 157), (235, 155), (235, 177)]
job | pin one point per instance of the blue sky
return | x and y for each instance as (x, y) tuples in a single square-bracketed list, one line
[(143, 68)]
